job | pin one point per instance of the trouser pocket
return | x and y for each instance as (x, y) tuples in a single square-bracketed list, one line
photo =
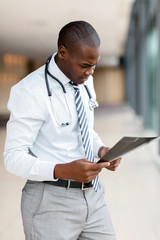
[(32, 197)]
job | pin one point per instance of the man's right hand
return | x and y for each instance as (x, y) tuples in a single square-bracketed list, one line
[(80, 170)]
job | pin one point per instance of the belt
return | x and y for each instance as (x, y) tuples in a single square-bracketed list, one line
[(70, 184)]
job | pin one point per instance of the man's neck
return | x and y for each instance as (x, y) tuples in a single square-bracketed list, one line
[(58, 62)]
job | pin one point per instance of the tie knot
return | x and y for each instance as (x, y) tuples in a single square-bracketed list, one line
[(75, 86)]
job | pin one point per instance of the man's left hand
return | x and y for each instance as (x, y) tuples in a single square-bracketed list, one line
[(114, 164)]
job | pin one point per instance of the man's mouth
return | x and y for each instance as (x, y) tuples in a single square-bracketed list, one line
[(85, 79)]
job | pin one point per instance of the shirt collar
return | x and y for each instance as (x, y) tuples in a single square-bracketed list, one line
[(55, 71)]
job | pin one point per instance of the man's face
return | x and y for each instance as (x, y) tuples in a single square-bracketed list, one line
[(80, 64)]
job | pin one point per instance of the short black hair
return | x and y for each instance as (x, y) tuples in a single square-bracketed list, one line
[(76, 34)]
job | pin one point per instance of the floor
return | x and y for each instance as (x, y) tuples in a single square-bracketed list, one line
[(132, 192)]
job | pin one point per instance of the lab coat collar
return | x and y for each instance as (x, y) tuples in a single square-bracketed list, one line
[(54, 70)]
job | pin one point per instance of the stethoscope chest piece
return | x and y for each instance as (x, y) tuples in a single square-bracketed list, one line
[(93, 104)]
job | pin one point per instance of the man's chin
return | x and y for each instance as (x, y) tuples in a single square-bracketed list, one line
[(82, 80)]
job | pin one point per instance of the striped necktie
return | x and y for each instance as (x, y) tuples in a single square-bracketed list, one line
[(83, 124)]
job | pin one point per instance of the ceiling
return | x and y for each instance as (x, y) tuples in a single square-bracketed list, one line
[(31, 27)]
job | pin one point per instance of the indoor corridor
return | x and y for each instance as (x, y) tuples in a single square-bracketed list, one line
[(132, 192)]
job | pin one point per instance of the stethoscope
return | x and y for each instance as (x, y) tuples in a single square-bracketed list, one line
[(92, 102)]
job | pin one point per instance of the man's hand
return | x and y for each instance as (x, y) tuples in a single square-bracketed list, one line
[(114, 164), (80, 170)]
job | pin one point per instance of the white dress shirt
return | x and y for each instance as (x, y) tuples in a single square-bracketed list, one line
[(35, 125)]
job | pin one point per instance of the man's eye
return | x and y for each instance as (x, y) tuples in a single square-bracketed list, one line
[(83, 66)]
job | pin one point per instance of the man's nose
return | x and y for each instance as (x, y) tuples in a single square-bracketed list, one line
[(89, 72)]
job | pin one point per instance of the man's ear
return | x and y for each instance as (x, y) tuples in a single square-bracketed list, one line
[(62, 52)]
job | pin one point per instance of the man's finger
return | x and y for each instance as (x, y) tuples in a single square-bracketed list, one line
[(118, 160), (99, 166), (103, 165)]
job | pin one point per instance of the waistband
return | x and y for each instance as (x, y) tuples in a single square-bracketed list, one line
[(70, 184)]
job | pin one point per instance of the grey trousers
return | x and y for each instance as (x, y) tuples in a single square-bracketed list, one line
[(56, 213)]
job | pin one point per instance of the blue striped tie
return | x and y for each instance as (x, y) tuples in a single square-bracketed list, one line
[(83, 123)]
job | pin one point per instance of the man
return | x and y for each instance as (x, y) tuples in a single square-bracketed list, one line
[(63, 198)]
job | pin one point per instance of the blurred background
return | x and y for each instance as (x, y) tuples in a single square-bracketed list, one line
[(127, 83)]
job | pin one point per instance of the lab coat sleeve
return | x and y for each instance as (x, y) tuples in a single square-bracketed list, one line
[(27, 113), (97, 143)]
